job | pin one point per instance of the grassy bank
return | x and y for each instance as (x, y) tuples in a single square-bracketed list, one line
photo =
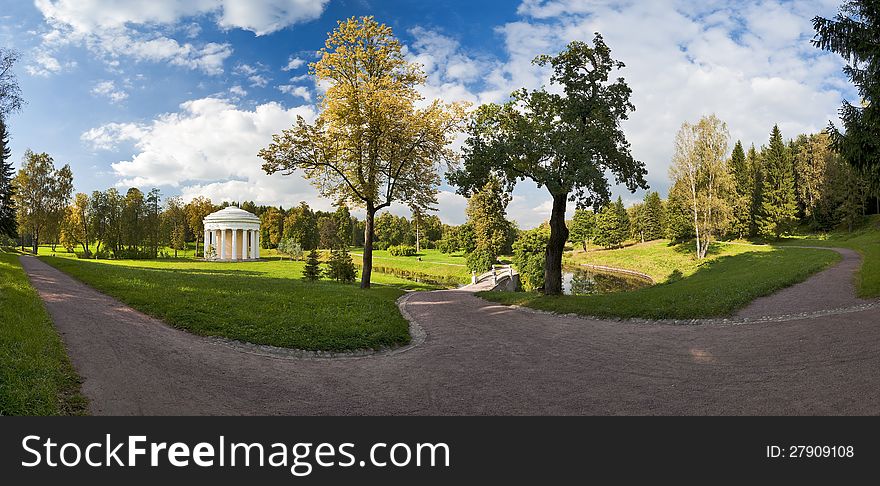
[(259, 302), (715, 288), (865, 240), (448, 269), (36, 377)]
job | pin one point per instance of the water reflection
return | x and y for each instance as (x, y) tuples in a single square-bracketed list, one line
[(588, 281)]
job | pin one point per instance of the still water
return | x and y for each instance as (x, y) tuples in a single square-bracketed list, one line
[(588, 281)]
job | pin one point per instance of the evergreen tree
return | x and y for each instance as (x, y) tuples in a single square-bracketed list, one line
[(853, 35), (341, 267), (312, 271), (653, 217), (8, 224), (582, 227), (742, 190), (610, 228), (623, 217), (778, 205), (756, 169)]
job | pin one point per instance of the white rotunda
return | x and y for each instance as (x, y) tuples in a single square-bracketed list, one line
[(232, 234)]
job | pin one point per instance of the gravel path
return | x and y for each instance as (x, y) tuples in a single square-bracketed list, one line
[(477, 358)]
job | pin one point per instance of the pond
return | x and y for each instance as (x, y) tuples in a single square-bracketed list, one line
[(589, 281)]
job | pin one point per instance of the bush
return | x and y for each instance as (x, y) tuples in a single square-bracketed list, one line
[(402, 250), (528, 257), (380, 245), (480, 261), (312, 270)]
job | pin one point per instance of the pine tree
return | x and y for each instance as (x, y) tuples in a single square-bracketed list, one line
[(8, 224), (743, 190), (778, 204), (610, 229), (756, 169), (312, 270), (653, 217), (623, 217), (341, 267)]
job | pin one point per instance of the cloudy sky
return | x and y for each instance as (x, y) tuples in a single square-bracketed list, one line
[(181, 94)]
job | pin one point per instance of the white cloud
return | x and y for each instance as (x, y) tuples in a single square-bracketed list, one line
[(108, 90), (293, 63), (209, 148), (258, 81), (45, 64), (237, 91), (297, 91), (259, 16)]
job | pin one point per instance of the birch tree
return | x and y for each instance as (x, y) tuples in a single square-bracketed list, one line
[(699, 164)]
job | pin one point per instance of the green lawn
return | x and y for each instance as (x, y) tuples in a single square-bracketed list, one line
[(735, 276), (660, 259), (36, 377), (262, 302), (441, 268), (865, 240)]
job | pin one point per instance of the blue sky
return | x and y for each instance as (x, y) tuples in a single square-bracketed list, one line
[(181, 94)]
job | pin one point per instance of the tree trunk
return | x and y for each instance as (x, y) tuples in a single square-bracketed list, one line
[(367, 269), (555, 247)]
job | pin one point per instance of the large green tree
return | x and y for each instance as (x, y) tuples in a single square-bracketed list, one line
[(611, 226), (853, 33), (778, 212), (301, 225), (565, 140), (371, 145), (741, 196), (42, 195)]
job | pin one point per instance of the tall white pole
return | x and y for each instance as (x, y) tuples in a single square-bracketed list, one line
[(223, 244), (257, 247)]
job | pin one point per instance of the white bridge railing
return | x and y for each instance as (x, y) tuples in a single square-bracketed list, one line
[(497, 273)]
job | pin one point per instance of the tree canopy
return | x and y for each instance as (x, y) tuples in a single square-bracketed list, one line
[(564, 141), (371, 145)]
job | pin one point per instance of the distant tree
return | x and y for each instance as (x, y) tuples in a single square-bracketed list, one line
[(815, 168), (853, 35), (371, 145), (610, 227), (10, 93), (357, 232), (291, 248), (565, 140), (342, 220), (174, 218), (679, 216), (623, 216), (312, 271), (393, 230), (698, 163), (486, 211), (301, 224), (636, 216), (196, 212), (152, 223), (778, 204), (8, 225), (653, 217), (328, 232), (77, 227), (431, 229), (743, 190), (850, 192), (271, 227), (756, 168), (582, 227), (340, 267), (42, 195)]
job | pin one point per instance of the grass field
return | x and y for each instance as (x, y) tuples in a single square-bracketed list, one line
[(865, 240), (441, 268), (659, 259), (259, 302), (36, 377), (733, 277)]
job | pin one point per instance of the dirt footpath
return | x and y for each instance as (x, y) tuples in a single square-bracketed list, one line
[(477, 358)]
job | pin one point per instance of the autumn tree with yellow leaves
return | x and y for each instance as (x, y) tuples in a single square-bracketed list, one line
[(372, 144)]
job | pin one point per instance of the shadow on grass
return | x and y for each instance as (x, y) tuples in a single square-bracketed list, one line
[(253, 307), (718, 288)]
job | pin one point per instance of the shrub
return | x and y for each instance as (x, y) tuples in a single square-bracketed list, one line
[(402, 250), (480, 261), (528, 257), (380, 245)]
